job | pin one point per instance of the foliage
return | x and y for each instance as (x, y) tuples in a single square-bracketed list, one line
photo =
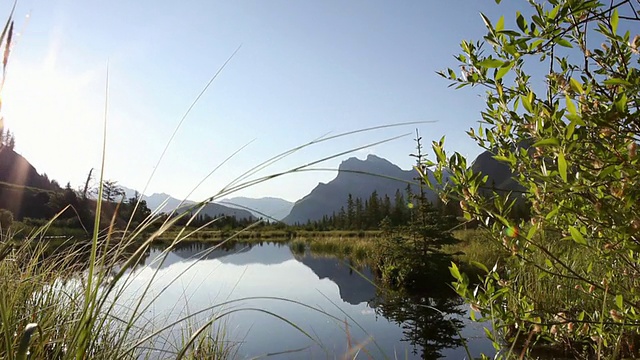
[(562, 111), (475, 246), (111, 191), (409, 255)]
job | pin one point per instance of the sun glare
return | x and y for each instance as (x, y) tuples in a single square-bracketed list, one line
[(52, 111)]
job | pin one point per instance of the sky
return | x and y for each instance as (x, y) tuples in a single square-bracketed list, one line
[(303, 70)]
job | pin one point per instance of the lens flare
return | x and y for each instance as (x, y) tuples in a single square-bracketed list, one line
[(511, 231)]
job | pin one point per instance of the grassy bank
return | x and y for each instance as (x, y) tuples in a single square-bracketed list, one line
[(474, 246), (358, 249), (50, 310)]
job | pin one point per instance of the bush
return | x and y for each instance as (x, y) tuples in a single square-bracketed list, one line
[(569, 135)]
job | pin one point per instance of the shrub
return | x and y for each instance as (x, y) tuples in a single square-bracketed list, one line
[(569, 132)]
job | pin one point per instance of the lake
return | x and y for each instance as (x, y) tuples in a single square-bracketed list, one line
[(293, 306)]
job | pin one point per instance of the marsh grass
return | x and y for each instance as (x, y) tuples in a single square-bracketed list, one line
[(358, 250), (476, 246), (36, 290)]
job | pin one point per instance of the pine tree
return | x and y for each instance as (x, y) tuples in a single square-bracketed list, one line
[(373, 211), (351, 213), (359, 215), (399, 209)]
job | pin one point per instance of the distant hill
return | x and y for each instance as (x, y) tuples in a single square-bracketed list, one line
[(217, 210), (358, 178), (156, 201), (275, 208)]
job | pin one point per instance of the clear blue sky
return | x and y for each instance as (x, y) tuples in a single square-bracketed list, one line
[(305, 68)]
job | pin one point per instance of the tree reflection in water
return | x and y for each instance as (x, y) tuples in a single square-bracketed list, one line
[(431, 322)]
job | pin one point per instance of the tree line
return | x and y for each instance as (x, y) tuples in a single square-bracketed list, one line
[(369, 213), (7, 139)]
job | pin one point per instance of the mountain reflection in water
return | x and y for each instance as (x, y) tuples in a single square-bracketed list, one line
[(389, 324)]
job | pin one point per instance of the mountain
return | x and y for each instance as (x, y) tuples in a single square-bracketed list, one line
[(356, 177), (23, 191), (155, 201), (216, 210), (499, 176), (16, 170), (275, 208)]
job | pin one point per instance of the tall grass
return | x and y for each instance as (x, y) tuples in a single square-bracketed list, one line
[(68, 303), (476, 246)]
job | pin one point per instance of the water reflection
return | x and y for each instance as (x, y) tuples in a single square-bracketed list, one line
[(430, 322), (385, 322), (354, 288)]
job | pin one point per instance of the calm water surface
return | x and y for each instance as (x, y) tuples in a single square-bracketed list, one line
[(339, 302)]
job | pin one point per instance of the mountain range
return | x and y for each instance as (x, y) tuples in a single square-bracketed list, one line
[(269, 207), (162, 202), (241, 207), (356, 177)]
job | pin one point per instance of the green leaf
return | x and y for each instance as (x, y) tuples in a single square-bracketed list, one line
[(500, 24), (576, 86), (608, 170), (504, 70), (455, 272), (522, 23), (577, 236), (480, 266), (616, 81), (526, 103), (486, 21), (564, 42), (576, 119), (503, 220), (553, 13), (571, 128), (504, 159), (547, 142), (491, 63), (614, 20), (570, 106), (619, 302), (562, 166), (510, 49), (534, 45), (548, 263), (621, 103)]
